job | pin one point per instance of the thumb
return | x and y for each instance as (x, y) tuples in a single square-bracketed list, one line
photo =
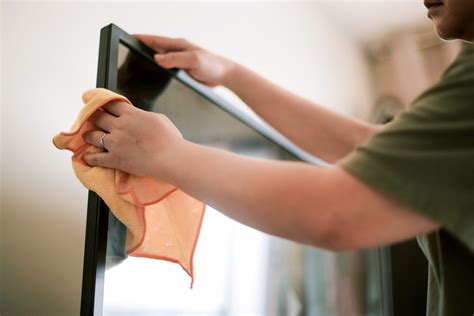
[(184, 60), (101, 159)]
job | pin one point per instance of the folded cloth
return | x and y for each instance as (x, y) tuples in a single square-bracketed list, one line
[(162, 221)]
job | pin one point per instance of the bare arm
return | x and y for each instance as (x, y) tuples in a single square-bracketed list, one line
[(326, 208), (320, 131), (323, 207)]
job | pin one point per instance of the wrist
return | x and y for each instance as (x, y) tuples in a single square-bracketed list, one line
[(172, 162), (230, 74)]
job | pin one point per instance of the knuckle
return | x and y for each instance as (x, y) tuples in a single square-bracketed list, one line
[(94, 160), (116, 138), (126, 107), (113, 124), (117, 123), (125, 113), (195, 54), (195, 57), (122, 121), (161, 116), (166, 119), (185, 44), (110, 141)]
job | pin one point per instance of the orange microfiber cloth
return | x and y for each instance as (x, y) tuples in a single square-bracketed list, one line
[(162, 221)]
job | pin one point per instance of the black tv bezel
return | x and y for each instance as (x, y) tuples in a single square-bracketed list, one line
[(97, 211)]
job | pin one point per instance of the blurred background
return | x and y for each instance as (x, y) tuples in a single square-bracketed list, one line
[(367, 59)]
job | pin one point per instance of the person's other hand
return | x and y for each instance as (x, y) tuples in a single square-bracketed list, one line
[(137, 142), (204, 66)]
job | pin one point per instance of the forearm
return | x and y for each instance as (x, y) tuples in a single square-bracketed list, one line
[(271, 196), (328, 208), (321, 132)]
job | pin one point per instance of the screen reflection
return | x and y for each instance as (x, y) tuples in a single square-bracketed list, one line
[(239, 271)]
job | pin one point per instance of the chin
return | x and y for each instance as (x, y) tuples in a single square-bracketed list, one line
[(445, 35), (448, 28), (447, 32), (449, 35)]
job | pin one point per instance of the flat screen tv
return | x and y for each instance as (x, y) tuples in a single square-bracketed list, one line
[(204, 116)]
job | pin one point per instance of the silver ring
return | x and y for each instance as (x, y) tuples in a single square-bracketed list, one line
[(102, 144)]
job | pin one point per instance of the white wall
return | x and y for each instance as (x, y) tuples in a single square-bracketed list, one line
[(50, 58)]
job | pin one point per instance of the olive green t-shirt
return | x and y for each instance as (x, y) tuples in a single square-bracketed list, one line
[(424, 159)]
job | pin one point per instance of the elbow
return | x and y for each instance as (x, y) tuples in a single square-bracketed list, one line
[(332, 236), (333, 241), (336, 246), (331, 220)]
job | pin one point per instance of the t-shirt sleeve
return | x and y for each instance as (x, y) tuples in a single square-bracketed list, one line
[(424, 158)]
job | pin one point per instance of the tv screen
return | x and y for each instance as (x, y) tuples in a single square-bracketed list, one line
[(239, 271)]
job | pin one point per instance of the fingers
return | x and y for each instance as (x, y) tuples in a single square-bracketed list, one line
[(94, 138), (117, 108), (103, 120), (104, 159), (185, 60), (163, 44)]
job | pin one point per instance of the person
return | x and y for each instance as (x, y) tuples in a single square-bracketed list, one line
[(411, 177)]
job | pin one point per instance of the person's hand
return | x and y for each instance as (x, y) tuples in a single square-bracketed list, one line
[(137, 142), (204, 66)]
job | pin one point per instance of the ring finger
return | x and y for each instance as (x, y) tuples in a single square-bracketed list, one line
[(97, 139)]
